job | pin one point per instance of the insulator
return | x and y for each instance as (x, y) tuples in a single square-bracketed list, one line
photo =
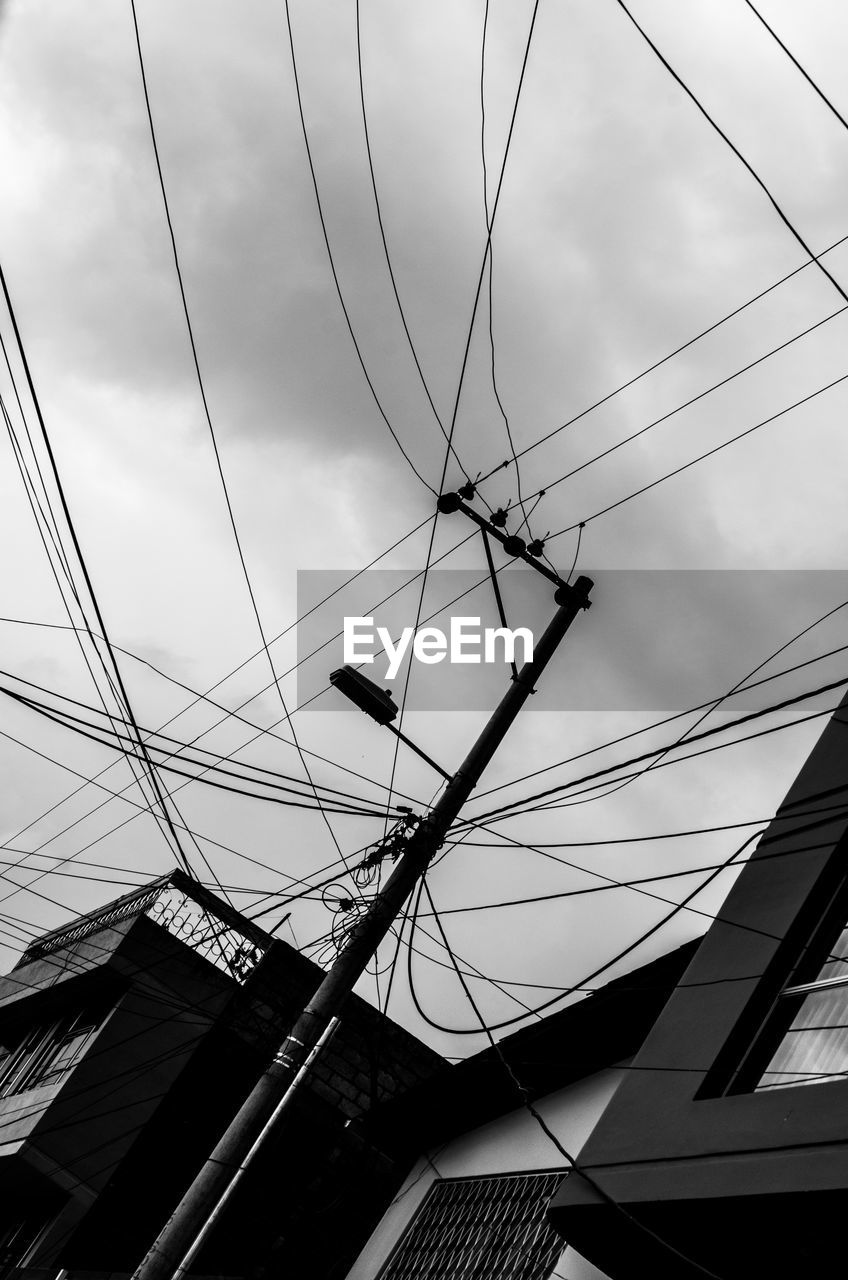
[(514, 546), (498, 518), (448, 503), (467, 490)]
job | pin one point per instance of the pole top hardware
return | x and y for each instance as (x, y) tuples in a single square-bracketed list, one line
[(514, 546), (578, 592), (448, 503)]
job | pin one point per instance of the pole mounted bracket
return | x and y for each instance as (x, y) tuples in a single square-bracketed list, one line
[(449, 503)]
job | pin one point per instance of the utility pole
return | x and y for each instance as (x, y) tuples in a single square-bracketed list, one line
[(186, 1230)]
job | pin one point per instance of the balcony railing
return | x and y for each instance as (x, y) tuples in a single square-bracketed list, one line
[(186, 910)]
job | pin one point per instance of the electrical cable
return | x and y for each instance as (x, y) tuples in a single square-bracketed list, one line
[(697, 737), (141, 808), (550, 804), (637, 493), (74, 723), (731, 315), (79, 556), (384, 241), (525, 514), (635, 435), (237, 539), (658, 724), (331, 258), (608, 964), (276, 779), (524, 1097), (810, 81), (743, 683), (724, 137)]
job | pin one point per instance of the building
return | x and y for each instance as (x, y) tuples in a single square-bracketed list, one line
[(127, 1039), (482, 1168), (725, 1152)]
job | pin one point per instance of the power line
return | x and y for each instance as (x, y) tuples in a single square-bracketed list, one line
[(731, 315), (277, 779), (332, 261), (608, 964), (701, 457), (491, 328), (260, 731), (384, 241), (235, 714), (139, 810), (698, 737), (810, 81), (208, 417), (115, 742), (610, 882), (635, 435), (721, 133), (86, 576), (524, 1096), (658, 724)]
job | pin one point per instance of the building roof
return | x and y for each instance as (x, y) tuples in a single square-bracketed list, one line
[(604, 1028)]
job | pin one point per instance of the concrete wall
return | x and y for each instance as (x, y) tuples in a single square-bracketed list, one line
[(513, 1143)]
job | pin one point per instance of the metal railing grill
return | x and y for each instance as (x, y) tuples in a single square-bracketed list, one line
[(480, 1229)]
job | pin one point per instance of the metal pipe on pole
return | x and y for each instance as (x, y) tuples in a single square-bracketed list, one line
[(187, 1228)]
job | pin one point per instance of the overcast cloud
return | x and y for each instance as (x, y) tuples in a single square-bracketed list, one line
[(625, 227)]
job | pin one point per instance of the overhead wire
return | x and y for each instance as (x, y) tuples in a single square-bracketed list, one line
[(114, 742), (667, 748), (108, 800), (701, 395), (202, 389), (524, 1097), (331, 256), (384, 241), (709, 453), (265, 866), (810, 81), (744, 683), (678, 715), (228, 712), (644, 373), (154, 740), (491, 329), (608, 964), (790, 226), (115, 667)]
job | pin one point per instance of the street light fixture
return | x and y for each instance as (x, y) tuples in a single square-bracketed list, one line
[(375, 702), (378, 704)]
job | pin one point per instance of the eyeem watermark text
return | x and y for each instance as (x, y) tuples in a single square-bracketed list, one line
[(465, 641)]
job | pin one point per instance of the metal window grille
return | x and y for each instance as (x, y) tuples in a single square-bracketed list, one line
[(479, 1229)]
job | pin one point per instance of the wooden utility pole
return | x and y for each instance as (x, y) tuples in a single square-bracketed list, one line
[(189, 1225)]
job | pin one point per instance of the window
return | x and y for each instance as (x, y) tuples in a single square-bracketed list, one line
[(45, 1052), (814, 1046), (479, 1229), (17, 1238)]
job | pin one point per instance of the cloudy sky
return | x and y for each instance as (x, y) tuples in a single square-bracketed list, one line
[(625, 227)]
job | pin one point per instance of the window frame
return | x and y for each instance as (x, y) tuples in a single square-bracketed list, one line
[(37, 1058), (804, 956)]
